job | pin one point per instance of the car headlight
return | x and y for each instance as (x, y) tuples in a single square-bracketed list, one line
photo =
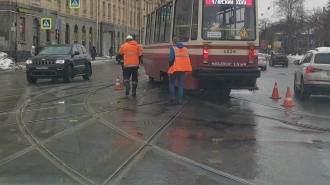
[(29, 62), (60, 61)]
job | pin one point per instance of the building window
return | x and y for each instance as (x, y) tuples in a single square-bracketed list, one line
[(67, 34), (47, 37), (114, 11), (119, 14), (91, 7), (83, 36), (22, 28), (134, 20), (103, 9), (109, 14), (75, 34), (90, 38), (124, 18), (138, 19), (130, 18)]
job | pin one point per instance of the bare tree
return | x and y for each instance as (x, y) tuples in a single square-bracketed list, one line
[(263, 24), (293, 12), (315, 22)]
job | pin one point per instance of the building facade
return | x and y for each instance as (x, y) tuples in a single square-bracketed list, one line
[(99, 23)]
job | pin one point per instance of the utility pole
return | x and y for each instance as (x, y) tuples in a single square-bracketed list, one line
[(140, 22), (97, 24), (16, 52)]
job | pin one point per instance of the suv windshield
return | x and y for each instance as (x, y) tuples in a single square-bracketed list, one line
[(56, 50), (225, 20), (322, 59)]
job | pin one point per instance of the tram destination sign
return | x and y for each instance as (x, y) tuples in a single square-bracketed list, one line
[(229, 2)]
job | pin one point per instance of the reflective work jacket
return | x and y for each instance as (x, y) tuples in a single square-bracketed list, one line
[(181, 61), (131, 52)]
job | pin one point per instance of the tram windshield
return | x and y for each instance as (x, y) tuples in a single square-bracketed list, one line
[(229, 20)]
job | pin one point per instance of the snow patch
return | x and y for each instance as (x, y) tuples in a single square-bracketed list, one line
[(7, 63)]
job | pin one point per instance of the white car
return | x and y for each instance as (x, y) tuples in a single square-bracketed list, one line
[(262, 61), (312, 76)]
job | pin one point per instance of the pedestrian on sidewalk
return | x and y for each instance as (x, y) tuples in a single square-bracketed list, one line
[(110, 52), (93, 53), (179, 62), (132, 54), (33, 51)]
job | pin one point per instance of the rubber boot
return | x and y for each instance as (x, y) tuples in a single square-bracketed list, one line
[(134, 90), (128, 87)]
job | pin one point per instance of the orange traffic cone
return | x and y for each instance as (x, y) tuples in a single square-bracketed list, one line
[(288, 99), (118, 86), (275, 93)]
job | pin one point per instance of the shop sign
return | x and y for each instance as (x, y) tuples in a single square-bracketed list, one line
[(22, 10)]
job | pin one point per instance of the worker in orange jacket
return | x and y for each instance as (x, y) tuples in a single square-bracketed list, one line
[(132, 54), (179, 64)]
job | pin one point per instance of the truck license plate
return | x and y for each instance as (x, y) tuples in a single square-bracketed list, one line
[(41, 67)]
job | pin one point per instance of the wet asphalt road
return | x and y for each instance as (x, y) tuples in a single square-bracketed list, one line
[(88, 133)]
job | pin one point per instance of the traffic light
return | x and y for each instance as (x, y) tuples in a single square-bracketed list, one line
[(57, 34)]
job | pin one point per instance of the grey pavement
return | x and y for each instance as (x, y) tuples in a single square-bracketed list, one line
[(88, 133)]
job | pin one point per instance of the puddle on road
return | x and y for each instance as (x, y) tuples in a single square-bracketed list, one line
[(169, 170), (45, 129)]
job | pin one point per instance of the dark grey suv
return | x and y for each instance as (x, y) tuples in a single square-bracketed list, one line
[(59, 61)]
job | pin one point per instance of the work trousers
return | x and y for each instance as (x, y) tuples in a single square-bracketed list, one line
[(129, 72), (179, 76)]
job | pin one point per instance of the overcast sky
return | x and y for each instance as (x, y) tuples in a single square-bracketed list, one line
[(264, 4)]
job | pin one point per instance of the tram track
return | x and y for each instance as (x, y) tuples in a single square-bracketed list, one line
[(39, 145), (292, 123), (149, 144), (61, 97), (126, 166), (57, 89)]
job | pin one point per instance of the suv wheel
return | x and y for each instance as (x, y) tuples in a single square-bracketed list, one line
[(303, 94), (31, 80), (88, 72), (295, 87), (68, 75)]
